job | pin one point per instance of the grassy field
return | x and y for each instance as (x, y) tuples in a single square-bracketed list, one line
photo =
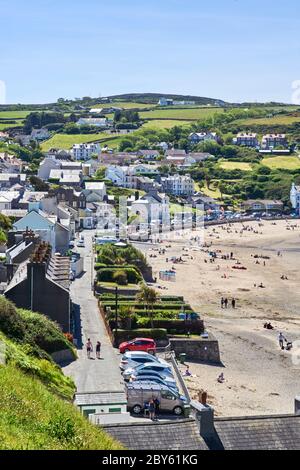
[(189, 114), (125, 105), (4, 126), (66, 141), (235, 166), (14, 114), (275, 120), (164, 124), (288, 163)]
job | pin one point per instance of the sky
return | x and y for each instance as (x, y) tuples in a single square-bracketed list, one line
[(235, 50)]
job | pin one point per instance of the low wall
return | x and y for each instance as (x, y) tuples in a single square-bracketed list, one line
[(202, 350), (66, 355)]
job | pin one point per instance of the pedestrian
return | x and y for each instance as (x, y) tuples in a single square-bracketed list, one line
[(98, 349), (226, 302), (151, 409), (156, 405), (281, 339), (89, 348), (233, 303), (222, 302)]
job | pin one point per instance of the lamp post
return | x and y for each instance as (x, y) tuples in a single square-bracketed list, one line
[(116, 314)]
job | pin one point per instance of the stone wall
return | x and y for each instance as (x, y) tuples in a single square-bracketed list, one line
[(202, 350)]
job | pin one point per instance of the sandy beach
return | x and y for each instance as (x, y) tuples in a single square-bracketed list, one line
[(251, 259)]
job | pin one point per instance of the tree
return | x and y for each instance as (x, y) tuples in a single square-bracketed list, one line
[(38, 184), (149, 298)]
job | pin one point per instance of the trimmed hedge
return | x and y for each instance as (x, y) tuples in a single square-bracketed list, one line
[(179, 326), (107, 274), (126, 335)]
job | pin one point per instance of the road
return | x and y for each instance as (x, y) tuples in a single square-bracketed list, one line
[(91, 375)]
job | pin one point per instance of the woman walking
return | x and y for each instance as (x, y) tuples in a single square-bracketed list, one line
[(89, 348)]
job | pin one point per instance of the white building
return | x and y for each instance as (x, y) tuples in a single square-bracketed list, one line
[(295, 198), (152, 208), (124, 175), (95, 191), (40, 134), (98, 122), (270, 141), (178, 185), (85, 151), (196, 137)]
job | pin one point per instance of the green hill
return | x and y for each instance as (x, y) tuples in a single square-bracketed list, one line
[(36, 410)]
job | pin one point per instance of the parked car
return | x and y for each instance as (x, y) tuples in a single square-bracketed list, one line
[(134, 358), (140, 394), (138, 344), (168, 380), (154, 379), (148, 367), (80, 243)]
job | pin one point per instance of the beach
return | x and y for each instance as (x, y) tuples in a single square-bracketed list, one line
[(257, 264)]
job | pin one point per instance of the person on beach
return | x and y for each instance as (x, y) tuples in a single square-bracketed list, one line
[(226, 302), (98, 349), (222, 302), (89, 348), (281, 339), (221, 378), (233, 303), (187, 372)]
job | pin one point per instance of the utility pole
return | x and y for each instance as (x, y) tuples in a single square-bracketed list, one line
[(116, 315)]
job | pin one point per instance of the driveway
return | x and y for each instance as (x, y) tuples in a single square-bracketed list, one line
[(91, 375)]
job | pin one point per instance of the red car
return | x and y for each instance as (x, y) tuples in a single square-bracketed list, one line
[(138, 344)]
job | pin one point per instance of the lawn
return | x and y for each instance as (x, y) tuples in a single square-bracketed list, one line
[(192, 114), (275, 120), (4, 126), (66, 141), (125, 105), (14, 114), (164, 124), (287, 163), (235, 166)]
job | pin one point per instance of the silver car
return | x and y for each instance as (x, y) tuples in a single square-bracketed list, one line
[(148, 367), (132, 359)]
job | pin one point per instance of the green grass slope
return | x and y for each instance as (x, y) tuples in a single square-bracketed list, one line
[(36, 410), (33, 418)]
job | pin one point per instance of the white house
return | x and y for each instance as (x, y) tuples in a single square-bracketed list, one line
[(40, 134), (295, 198), (196, 137), (178, 185), (98, 122), (8, 199), (246, 139), (116, 174), (85, 151), (45, 167), (95, 191), (152, 208)]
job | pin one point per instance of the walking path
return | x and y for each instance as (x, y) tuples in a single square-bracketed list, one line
[(92, 375)]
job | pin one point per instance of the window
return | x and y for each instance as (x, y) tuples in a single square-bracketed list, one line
[(167, 395)]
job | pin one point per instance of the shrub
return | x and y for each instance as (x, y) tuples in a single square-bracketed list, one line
[(120, 277), (107, 275), (10, 322)]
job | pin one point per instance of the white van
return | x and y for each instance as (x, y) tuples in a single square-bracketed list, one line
[(138, 395)]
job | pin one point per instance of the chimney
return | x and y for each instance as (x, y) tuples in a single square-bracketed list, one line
[(204, 415)]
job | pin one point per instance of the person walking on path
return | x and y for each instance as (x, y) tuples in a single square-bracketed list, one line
[(222, 302), (233, 302), (156, 405), (98, 349), (226, 302), (89, 348), (281, 339), (152, 409)]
